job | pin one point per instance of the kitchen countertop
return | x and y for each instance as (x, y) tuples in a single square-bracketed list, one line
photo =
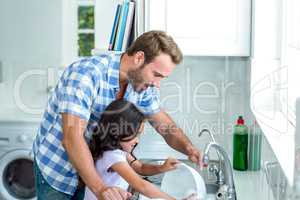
[(251, 185)]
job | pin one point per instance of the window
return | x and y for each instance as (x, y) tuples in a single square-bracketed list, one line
[(86, 27), (274, 76)]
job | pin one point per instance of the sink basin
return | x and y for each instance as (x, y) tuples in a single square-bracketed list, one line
[(211, 186)]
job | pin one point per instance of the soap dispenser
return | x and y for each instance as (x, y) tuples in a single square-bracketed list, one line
[(240, 145)]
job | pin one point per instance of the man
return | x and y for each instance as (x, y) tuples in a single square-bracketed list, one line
[(84, 90)]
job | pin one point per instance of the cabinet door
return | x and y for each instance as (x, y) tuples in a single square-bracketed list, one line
[(32, 45), (31, 31), (202, 27)]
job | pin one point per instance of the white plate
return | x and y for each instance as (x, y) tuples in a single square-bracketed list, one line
[(142, 197), (182, 182)]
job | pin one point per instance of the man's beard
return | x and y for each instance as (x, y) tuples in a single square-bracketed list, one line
[(136, 79)]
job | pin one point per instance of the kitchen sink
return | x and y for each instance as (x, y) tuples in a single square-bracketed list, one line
[(212, 188), (210, 180)]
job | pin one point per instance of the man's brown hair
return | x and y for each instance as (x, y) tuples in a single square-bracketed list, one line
[(153, 43)]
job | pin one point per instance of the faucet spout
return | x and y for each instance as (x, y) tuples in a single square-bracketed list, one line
[(209, 133), (212, 138), (228, 169), (217, 170)]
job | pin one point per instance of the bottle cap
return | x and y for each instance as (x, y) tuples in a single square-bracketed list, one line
[(240, 120)]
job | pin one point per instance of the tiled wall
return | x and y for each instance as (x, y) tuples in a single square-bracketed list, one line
[(202, 92), (177, 99)]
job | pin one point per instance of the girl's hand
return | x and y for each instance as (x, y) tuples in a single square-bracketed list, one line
[(169, 164)]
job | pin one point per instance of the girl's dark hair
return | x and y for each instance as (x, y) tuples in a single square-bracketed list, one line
[(120, 120)]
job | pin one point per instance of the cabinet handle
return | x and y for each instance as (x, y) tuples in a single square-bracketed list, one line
[(50, 89), (4, 139)]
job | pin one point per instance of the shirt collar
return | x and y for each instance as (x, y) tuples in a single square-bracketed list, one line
[(113, 72)]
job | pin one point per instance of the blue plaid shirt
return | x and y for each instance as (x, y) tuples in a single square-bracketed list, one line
[(85, 89)]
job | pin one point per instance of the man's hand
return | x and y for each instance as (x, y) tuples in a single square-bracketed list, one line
[(113, 193), (195, 156), (174, 136)]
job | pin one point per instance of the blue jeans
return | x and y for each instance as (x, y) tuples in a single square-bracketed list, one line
[(45, 192)]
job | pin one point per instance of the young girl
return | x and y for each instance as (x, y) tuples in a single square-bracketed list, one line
[(112, 145)]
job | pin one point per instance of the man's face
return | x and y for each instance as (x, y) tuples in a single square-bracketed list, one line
[(152, 73)]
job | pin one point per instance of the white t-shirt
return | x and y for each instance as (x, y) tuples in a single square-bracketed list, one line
[(108, 159)]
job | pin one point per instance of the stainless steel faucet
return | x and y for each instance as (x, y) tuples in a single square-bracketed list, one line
[(231, 195), (212, 138), (209, 133), (216, 170)]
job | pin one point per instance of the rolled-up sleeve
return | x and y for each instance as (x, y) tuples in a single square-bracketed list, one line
[(76, 92)]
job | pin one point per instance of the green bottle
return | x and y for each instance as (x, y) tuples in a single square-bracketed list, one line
[(240, 145), (254, 156)]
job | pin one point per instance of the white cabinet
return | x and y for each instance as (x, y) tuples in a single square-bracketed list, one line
[(204, 27), (36, 38), (34, 31)]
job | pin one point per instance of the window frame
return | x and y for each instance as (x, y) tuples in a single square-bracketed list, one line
[(84, 3)]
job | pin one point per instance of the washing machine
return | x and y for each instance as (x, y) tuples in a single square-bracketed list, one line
[(16, 161)]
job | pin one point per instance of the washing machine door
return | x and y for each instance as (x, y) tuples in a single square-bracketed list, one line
[(17, 177)]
